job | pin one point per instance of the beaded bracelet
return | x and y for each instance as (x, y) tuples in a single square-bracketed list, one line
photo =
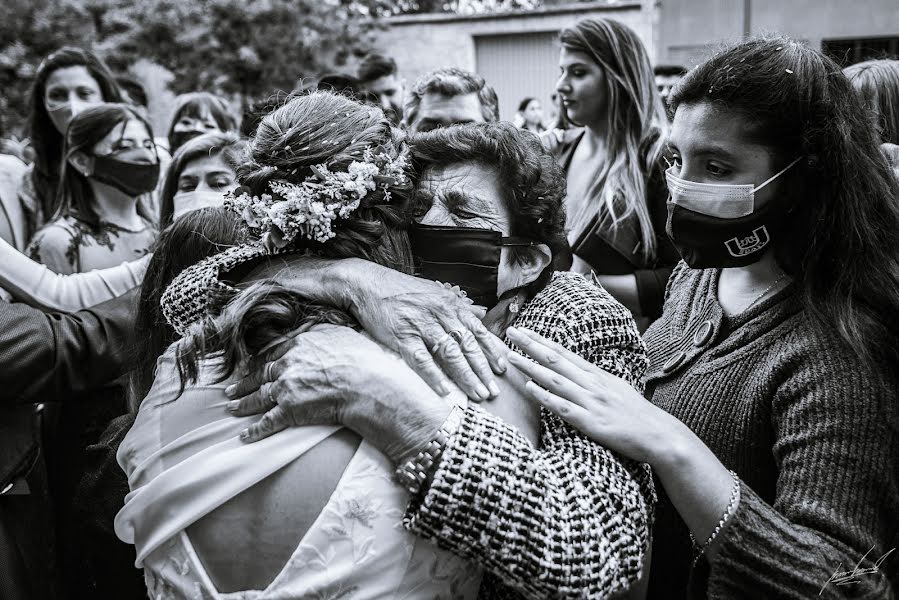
[(728, 512)]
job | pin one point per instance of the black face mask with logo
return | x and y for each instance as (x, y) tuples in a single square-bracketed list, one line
[(719, 225), (464, 256), (706, 242)]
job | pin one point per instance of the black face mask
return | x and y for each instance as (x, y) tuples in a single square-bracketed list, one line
[(130, 178), (706, 242), (179, 138), (463, 256)]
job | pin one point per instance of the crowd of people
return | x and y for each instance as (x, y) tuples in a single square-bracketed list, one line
[(370, 341)]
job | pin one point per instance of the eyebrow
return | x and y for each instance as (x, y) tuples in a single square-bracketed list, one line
[(456, 199), (707, 149)]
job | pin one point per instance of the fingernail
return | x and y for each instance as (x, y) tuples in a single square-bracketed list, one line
[(482, 392), (230, 390), (444, 389), (244, 435), (502, 364), (494, 389), (233, 406)]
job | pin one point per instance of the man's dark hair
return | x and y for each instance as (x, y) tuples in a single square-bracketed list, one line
[(451, 81), (135, 91), (669, 70), (532, 180), (375, 66)]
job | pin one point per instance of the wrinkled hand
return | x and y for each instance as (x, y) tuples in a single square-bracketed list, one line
[(332, 375), (604, 407), (415, 317)]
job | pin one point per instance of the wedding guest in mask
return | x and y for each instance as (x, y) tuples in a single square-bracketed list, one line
[(110, 161), (67, 82), (615, 167), (770, 416), (200, 173), (197, 113)]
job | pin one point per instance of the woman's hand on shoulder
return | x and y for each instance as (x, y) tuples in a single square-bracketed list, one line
[(604, 407), (333, 375)]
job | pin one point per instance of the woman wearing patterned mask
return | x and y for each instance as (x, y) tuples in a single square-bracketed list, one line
[(110, 162), (202, 171)]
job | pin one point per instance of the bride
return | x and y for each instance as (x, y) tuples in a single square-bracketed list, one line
[(312, 512)]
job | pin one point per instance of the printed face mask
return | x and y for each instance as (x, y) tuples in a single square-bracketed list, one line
[(718, 225), (184, 202), (464, 256), (131, 178)]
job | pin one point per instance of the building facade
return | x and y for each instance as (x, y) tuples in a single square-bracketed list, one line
[(518, 52)]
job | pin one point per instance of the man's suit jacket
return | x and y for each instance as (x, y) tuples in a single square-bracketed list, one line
[(45, 358)]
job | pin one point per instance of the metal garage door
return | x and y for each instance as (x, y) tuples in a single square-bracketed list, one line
[(518, 66)]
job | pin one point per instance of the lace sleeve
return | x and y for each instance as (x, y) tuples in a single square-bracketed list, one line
[(35, 284), (570, 519)]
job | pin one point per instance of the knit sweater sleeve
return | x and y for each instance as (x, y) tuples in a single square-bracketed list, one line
[(837, 493), (570, 519)]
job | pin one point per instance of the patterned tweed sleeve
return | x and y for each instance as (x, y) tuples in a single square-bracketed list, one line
[(570, 519)]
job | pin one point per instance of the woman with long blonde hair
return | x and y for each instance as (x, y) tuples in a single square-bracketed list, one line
[(616, 187)]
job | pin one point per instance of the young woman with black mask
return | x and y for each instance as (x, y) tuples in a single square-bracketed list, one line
[(110, 162), (771, 421)]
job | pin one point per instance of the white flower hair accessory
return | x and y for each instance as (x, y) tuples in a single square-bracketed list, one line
[(309, 209)]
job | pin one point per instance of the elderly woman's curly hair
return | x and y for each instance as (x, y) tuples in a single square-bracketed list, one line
[(532, 180), (320, 128)]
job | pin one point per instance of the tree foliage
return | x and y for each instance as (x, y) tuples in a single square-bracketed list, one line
[(247, 48)]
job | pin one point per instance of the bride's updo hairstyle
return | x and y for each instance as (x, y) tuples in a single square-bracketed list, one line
[(320, 128), (323, 128)]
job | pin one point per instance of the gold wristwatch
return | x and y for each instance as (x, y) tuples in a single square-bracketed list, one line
[(414, 472)]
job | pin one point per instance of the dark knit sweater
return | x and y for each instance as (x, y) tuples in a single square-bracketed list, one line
[(812, 432)]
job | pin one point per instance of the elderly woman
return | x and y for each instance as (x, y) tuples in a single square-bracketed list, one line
[(489, 225)]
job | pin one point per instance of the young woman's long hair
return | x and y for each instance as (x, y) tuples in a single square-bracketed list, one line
[(229, 145), (843, 212), (75, 197), (635, 125), (309, 130), (878, 83), (193, 237), (45, 139)]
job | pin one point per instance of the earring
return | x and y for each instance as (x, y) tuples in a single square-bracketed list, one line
[(513, 307)]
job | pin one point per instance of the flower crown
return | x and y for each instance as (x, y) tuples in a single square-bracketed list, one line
[(309, 209)]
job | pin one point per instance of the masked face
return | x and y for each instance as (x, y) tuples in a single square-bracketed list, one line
[(464, 234), (187, 128), (722, 209), (67, 92), (203, 183), (125, 159)]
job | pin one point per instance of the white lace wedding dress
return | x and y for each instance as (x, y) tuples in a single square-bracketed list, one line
[(356, 549)]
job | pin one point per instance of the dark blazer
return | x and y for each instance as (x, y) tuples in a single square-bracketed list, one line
[(45, 360), (48, 357), (616, 252)]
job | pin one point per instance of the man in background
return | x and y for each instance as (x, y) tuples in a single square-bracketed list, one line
[(378, 75), (449, 96)]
